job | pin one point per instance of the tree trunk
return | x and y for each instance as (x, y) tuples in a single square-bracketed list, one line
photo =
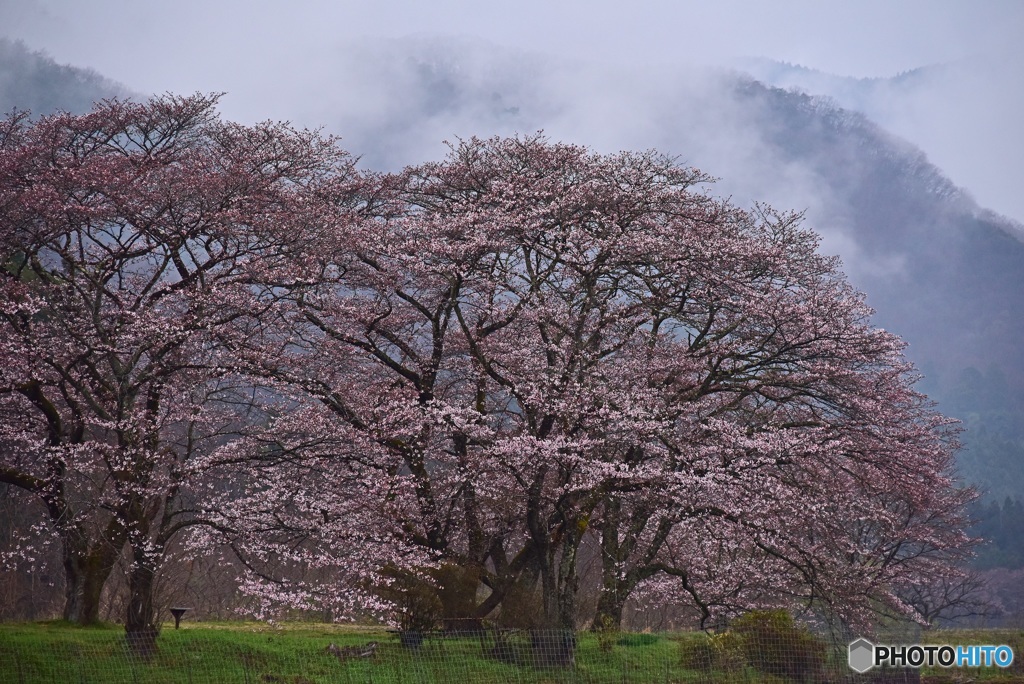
[(568, 579), (559, 584), (74, 579), (613, 590), (86, 571), (554, 645), (620, 534), (140, 622), (609, 610)]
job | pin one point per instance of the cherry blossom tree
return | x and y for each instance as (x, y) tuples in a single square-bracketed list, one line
[(348, 378), (310, 514), (542, 341), (814, 459), (128, 237)]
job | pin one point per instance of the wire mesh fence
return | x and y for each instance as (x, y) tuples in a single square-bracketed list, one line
[(202, 655)]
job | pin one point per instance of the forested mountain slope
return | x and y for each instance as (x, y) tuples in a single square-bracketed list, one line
[(30, 80)]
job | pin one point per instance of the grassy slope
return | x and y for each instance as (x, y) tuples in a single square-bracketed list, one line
[(255, 653), (296, 654)]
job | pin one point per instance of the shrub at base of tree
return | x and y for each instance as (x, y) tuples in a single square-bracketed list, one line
[(770, 642)]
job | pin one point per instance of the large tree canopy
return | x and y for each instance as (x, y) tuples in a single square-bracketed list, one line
[(535, 342), (128, 236), (482, 364)]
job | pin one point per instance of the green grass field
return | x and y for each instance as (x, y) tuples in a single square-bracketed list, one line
[(256, 653)]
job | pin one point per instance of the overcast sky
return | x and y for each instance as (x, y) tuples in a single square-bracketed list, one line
[(201, 43), (258, 50)]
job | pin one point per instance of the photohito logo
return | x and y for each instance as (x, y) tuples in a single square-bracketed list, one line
[(865, 655)]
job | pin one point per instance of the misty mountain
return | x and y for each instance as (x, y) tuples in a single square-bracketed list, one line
[(941, 271), (871, 96), (965, 114), (30, 80), (955, 287)]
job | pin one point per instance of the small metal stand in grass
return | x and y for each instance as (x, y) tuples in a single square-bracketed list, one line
[(177, 613)]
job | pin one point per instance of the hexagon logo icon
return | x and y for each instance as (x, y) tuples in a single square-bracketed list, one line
[(862, 655)]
